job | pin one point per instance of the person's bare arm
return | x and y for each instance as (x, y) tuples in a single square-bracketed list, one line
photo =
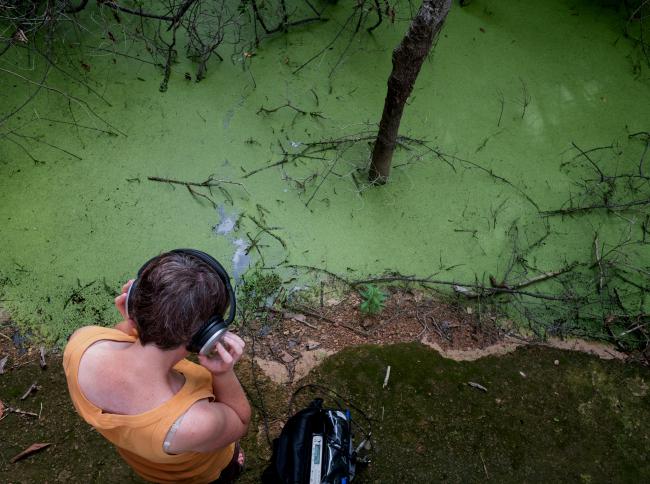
[(228, 391), (226, 386), (209, 426)]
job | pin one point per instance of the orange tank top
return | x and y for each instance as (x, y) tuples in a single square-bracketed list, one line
[(139, 438)]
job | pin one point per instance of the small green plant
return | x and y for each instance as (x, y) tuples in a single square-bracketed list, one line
[(256, 291), (373, 300)]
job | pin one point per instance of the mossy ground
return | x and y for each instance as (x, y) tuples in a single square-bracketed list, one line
[(582, 419), (78, 453)]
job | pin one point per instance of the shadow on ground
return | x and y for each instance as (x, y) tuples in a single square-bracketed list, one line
[(548, 415)]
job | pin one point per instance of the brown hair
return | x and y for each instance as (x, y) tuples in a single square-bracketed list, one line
[(175, 297)]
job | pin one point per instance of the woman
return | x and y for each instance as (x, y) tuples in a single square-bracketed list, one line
[(170, 419)]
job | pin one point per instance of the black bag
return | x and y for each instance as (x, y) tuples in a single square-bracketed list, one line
[(313, 437)]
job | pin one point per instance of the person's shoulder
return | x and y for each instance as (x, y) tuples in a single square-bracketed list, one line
[(85, 336), (80, 335), (77, 342)]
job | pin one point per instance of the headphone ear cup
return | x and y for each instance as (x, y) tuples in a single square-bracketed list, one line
[(205, 339)]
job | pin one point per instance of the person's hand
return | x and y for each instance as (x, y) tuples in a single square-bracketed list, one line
[(224, 359), (120, 301)]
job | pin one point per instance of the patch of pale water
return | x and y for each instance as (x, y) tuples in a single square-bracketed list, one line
[(227, 221), (228, 225), (240, 259)]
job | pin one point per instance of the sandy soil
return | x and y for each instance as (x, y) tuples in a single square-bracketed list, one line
[(301, 337)]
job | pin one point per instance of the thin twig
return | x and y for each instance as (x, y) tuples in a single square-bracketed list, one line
[(324, 49), (602, 176), (21, 412), (267, 230), (314, 114), (597, 206), (32, 388), (208, 183), (599, 262), (315, 314)]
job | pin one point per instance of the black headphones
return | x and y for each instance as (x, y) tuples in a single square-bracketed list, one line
[(215, 327)]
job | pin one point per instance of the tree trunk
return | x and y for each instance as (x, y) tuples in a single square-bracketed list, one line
[(408, 57)]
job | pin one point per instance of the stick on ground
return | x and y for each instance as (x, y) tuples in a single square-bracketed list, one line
[(386, 377)]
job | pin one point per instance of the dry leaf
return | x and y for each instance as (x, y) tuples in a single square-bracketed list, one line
[(3, 362), (2, 409), (29, 451)]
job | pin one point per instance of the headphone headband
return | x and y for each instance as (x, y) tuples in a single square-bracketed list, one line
[(196, 343)]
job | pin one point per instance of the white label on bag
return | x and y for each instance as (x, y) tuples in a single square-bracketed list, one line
[(316, 458)]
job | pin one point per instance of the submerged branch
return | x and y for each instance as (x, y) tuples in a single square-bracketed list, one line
[(115, 6), (267, 230), (313, 114), (208, 183), (472, 290), (77, 100), (598, 206)]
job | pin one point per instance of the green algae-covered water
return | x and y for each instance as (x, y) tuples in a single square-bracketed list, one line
[(510, 88)]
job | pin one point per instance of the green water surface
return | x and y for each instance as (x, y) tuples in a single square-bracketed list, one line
[(509, 87)]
